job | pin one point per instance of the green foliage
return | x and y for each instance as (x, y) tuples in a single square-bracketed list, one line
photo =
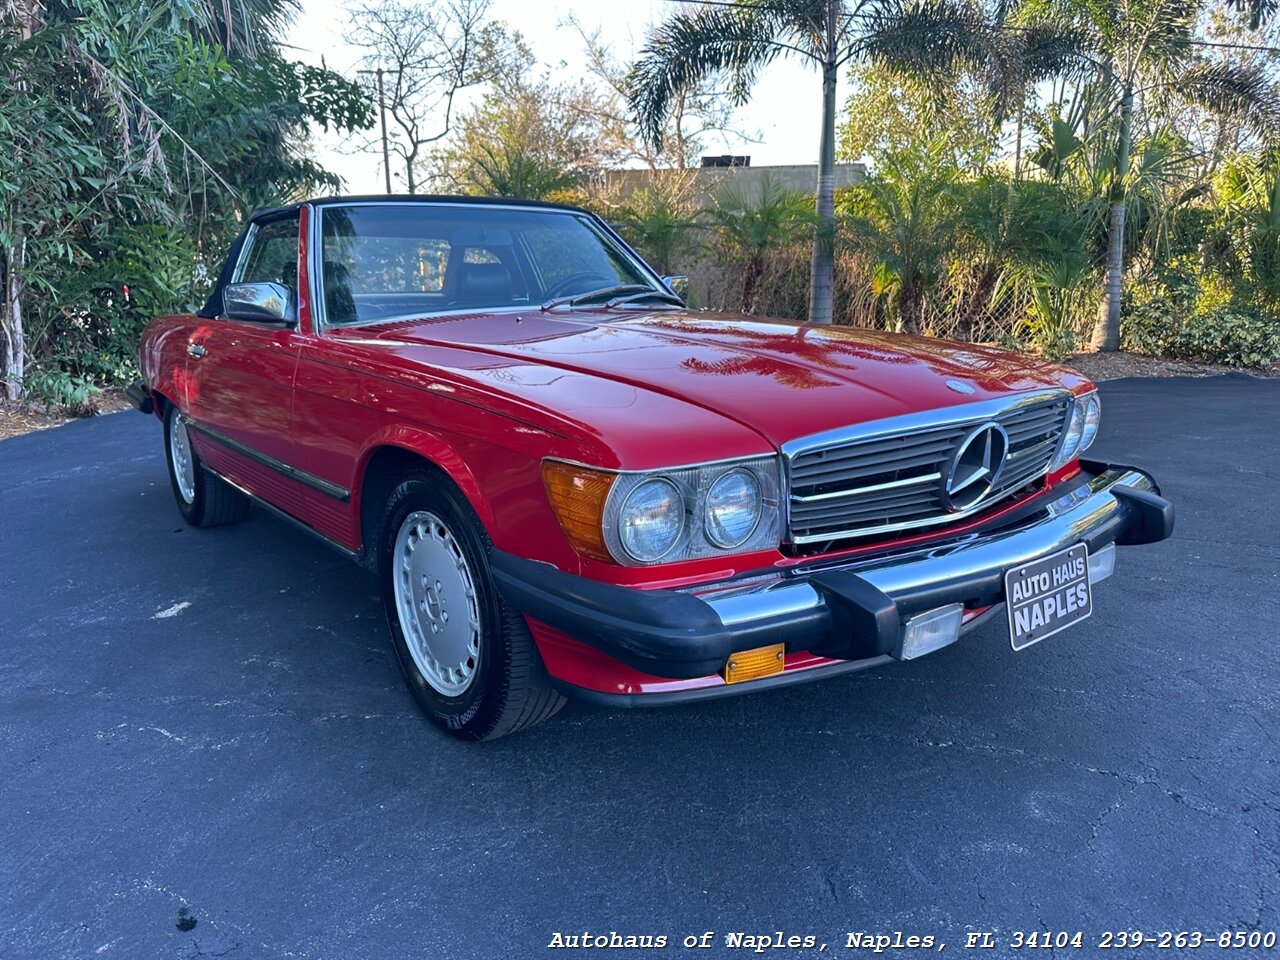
[(888, 114), (660, 219), (1246, 234), (60, 388), (1239, 336), (904, 218), (137, 138), (750, 223), (530, 136), (512, 169)]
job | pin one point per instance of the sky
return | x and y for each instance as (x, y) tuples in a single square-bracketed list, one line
[(784, 112)]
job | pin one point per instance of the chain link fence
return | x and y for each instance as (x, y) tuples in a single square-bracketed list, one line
[(967, 303)]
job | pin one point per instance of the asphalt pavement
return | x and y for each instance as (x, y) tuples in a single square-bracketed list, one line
[(206, 748)]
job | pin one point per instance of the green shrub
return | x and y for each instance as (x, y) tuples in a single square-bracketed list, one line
[(1231, 334), (61, 388)]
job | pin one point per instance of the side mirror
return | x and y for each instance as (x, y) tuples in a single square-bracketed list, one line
[(259, 303), (678, 284)]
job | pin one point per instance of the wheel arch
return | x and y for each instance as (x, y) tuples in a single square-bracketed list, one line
[(390, 457), (160, 404)]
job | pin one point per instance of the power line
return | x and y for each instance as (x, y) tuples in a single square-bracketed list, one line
[(1229, 46)]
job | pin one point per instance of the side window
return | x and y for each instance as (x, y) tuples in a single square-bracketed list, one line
[(273, 254)]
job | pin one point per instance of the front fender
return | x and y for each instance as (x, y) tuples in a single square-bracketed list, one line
[(433, 447)]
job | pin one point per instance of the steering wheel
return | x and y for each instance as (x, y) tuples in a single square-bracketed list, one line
[(584, 281)]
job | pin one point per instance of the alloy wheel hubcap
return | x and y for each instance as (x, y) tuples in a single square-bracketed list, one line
[(184, 468), (436, 602)]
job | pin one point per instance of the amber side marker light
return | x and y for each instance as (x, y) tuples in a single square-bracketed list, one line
[(577, 496), (753, 664)]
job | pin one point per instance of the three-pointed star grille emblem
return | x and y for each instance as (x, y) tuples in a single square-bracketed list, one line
[(976, 466)]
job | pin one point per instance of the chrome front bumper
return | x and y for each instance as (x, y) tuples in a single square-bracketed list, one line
[(1096, 510), (854, 610)]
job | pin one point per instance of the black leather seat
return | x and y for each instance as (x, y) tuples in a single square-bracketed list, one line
[(483, 285)]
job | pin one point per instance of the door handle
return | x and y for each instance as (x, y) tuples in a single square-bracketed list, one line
[(195, 350)]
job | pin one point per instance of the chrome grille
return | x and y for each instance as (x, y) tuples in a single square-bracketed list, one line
[(891, 475)]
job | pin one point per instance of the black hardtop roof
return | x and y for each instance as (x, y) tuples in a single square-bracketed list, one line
[(416, 198)]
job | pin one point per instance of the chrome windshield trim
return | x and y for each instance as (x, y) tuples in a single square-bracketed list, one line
[(237, 272)]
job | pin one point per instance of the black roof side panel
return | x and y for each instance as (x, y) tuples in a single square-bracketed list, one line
[(213, 306)]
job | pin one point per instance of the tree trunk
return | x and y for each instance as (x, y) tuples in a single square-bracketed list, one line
[(979, 300), (1017, 152), (751, 283), (15, 257), (409, 179), (910, 303), (822, 271), (1106, 332), (15, 340)]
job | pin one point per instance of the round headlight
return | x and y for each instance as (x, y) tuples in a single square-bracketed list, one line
[(651, 520), (1071, 441), (1092, 418), (733, 508)]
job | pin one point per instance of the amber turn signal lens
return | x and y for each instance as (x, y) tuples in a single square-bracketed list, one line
[(577, 496), (753, 664)]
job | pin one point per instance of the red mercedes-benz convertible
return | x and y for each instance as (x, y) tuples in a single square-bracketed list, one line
[(570, 484)]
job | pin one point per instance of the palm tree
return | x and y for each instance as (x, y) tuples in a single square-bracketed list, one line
[(1248, 195), (737, 39), (754, 222), (659, 219), (905, 218), (512, 169), (1131, 50)]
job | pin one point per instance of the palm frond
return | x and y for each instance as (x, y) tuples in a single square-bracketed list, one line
[(1048, 50), (926, 39), (693, 46), (1157, 32), (1256, 12), (1235, 91)]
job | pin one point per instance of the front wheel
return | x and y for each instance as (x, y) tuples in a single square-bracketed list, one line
[(469, 661), (205, 500)]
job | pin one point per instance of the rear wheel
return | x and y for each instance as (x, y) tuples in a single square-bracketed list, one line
[(204, 499), (469, 661)]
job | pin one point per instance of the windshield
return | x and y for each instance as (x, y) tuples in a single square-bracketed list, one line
[(381, 261)]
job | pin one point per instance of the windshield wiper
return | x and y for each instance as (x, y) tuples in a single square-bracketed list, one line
[(670, 299), (616, 290)]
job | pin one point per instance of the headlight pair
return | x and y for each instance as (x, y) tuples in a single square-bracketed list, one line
[(1082, 429), (668, 515)]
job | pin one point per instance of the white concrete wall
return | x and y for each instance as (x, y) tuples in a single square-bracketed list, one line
[(799, 176)]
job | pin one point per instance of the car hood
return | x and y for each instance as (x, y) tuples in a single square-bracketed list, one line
[(782, 379)]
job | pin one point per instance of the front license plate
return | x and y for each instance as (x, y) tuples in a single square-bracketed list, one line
[(1047, 595)]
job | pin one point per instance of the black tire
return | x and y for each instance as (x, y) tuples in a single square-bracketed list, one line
[(213, 501), (510, 690)]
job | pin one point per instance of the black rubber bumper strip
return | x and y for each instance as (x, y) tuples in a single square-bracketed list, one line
[(139, 396), (676, 635), (1150, 516), (653, 630)]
